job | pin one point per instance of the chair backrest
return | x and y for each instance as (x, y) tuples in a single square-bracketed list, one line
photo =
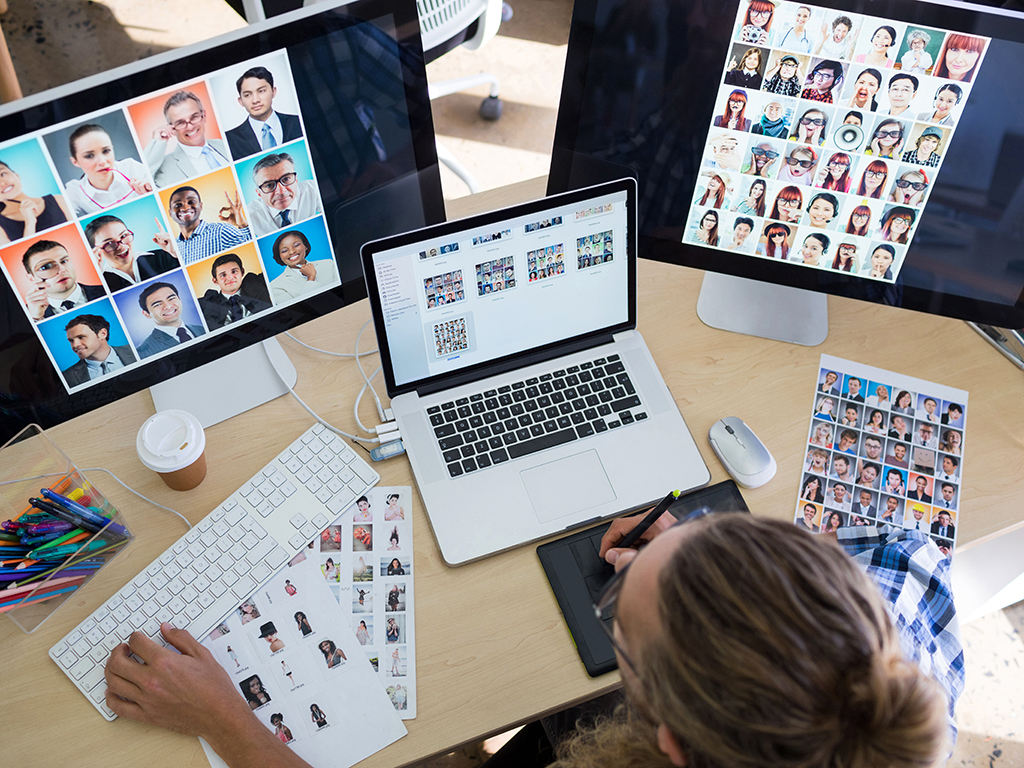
[(440, 20)]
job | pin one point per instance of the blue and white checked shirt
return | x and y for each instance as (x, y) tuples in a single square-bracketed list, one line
[(913, 576), (210, 238)]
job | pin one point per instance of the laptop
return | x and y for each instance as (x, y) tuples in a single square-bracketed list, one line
[(527, 401)]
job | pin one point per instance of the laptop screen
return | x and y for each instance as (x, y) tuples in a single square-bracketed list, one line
[(473, 292)]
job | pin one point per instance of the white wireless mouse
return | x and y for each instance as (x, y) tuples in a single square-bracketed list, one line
[(743, 454)]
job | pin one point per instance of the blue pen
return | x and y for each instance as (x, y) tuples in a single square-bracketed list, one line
[(83, 512)]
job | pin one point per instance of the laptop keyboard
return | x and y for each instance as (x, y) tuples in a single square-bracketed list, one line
[(515, 420)]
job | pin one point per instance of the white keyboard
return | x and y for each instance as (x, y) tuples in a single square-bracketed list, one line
[(200, 579)]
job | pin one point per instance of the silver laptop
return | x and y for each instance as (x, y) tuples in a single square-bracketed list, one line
[(527, 401)]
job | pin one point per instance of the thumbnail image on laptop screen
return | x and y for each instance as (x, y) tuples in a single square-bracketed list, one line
[(166, 218), (829, 131), (476, 295)]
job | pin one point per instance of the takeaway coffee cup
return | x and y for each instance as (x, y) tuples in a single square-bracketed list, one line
[(173, 444)]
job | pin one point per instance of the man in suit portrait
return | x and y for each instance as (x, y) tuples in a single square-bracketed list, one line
[(865, 508), (55, 286), (160, 303), (948, 498), (828, 385), (943, 525), (239, 294), (121, 267), (919, 494), (265, 128), (853, 386), (283, 198), (807, 522), (193, 155), (89, 336)]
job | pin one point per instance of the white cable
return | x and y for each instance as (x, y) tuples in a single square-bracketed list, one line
[(119, 480), (355, 406), (146, 498), (359, 365), (313, 413), (325, 351)]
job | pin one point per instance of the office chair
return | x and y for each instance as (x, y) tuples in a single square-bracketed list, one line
[(444, 26)]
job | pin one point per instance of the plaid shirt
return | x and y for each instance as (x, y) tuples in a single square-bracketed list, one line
[(932, 162), (813, 94), (210, 238), (913, 576)]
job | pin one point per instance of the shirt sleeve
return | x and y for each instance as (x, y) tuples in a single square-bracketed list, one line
[(914, 578)]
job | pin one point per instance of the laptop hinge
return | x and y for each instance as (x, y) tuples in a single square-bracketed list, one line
[(520, 361)]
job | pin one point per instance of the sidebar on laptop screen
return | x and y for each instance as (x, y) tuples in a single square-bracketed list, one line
[(480, 294)]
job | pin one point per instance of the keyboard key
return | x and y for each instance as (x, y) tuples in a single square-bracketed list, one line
[(434, 409), (455, 469), (627, 402), (444, 431), (498, 457), (483, 461), (469, 465), (539, 444)]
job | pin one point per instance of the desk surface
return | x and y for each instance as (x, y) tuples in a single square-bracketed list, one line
[(480, 626)]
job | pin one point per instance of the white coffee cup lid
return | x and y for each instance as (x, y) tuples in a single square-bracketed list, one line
[(170, 440)]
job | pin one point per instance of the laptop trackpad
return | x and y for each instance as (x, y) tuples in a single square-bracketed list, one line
[(568, 486)]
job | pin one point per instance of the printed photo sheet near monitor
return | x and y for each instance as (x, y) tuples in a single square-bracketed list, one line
[(185, 208), (864, 149), (481, 296)]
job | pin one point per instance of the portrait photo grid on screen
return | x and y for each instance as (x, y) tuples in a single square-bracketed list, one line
[(468, 289), (144, 227), (829, 130), (880, 453)]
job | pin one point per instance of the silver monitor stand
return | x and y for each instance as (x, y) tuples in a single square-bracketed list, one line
[(227, 387), (763, 309)]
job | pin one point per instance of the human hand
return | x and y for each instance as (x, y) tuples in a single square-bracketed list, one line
[(308, 270), (233, 213), (732, 63), (618, 556), (188, 692), (30, 212), (163, 133), (36, 299), (140, 186), (161, 238)]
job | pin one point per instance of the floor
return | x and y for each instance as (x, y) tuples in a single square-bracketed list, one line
[(58, 41)]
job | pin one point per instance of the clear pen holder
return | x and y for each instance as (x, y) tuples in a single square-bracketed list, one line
[(29, 462)]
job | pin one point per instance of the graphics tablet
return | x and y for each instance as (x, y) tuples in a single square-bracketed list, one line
[(577, 573)]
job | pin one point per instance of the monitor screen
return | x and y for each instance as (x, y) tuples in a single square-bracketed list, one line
[(163, 215), (860, 147)]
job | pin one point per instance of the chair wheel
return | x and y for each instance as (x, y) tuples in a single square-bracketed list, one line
[(490, 108)]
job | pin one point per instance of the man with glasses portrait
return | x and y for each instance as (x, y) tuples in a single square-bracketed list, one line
[(824, 78), (194, 154), (55, 287), (283, 198), (112, 245)]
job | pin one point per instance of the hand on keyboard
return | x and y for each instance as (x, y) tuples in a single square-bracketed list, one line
[(178, 691)]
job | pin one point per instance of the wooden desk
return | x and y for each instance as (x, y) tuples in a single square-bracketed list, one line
[(492, 648)]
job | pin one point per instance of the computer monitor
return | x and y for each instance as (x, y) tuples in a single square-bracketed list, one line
[(166, 214), (859, 148)]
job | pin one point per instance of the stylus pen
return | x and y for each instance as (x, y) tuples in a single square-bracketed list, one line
[(631, 538)]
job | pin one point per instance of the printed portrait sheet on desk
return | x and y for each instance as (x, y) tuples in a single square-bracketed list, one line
[(883, 447), (366, 558), (291, 653)]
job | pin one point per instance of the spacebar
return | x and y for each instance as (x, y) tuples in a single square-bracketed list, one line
[(539, 444)]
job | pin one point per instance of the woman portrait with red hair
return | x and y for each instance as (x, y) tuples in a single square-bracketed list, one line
[(757, 23), (958, 57)]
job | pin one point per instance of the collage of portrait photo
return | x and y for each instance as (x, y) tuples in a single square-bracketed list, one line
[(883, 451), (450, 337), (829, 131), (532, 253), (366, 560), (146, 226), (495, 276), (546, 262), (443, 289), (594, 250)]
